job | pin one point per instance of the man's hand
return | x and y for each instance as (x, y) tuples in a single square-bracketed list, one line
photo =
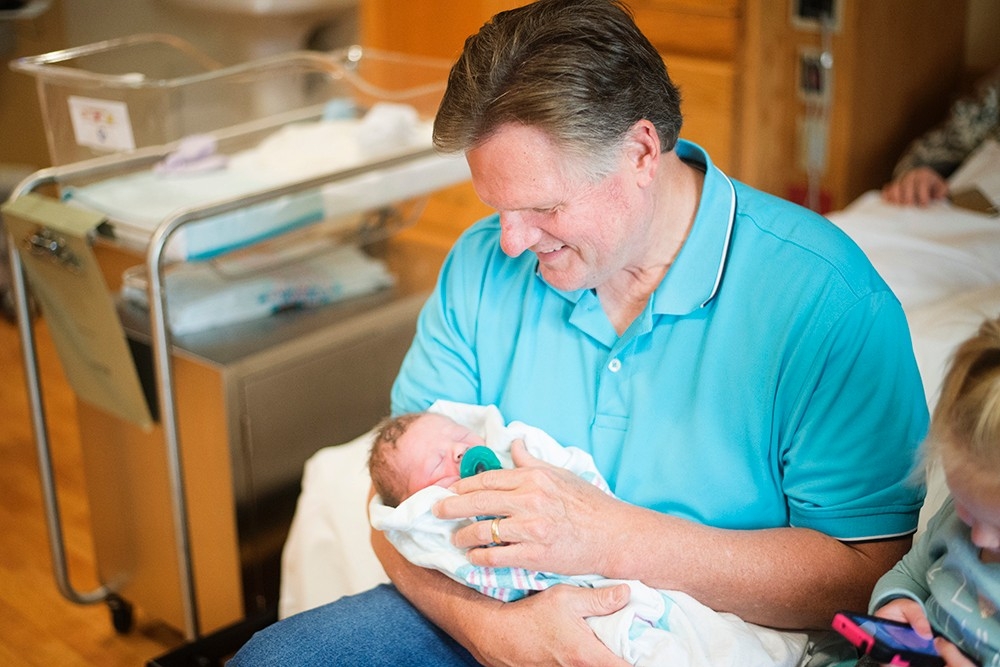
[(552, 520), (916, 187), (549, 628), (546, 628)]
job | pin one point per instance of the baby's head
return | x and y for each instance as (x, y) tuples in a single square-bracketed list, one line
[(417, 450), (965, 433)]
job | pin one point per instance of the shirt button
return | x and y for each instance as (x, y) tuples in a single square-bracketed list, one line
[(615, 365)]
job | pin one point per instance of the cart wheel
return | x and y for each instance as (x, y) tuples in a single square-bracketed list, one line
[(121, 614)]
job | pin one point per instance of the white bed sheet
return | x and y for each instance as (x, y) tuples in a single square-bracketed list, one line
[(943, 263)]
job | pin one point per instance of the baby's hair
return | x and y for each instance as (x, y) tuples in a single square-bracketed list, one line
[(386, 479), (967, 416)]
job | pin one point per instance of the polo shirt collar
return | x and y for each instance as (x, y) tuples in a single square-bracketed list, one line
[(694, 278)]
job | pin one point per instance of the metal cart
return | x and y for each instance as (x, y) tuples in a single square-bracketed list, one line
[(190, 514)]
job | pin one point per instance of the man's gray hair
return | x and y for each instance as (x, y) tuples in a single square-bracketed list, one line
[(579, 70)]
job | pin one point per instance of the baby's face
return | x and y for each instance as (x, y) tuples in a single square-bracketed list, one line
[(431, 450)]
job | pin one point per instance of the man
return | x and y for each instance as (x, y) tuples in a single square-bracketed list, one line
[(740, 374)]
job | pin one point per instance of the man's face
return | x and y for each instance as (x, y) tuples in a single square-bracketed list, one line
[(431, 450), (582, 231)]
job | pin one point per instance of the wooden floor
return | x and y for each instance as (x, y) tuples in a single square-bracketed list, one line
[(38, 626)]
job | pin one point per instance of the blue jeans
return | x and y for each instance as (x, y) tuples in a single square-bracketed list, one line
[(377, 627)]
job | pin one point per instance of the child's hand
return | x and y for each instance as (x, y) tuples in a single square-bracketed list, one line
[(907, 611), (952, 656)]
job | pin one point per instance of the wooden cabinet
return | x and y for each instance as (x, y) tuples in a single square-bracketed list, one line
[(737, 63), (701, 44)]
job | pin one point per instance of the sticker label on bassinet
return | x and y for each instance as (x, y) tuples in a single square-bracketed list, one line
[(101, 124)]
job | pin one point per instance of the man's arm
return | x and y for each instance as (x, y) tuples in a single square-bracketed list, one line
[(780, 577)]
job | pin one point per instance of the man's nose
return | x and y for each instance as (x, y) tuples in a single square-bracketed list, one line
[(516, 233)]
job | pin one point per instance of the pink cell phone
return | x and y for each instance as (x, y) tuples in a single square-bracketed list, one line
[(889, 642)]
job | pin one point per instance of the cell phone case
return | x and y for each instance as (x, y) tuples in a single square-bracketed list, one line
[(846, 624)]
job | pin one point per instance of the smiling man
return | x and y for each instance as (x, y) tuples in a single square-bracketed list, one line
[(740, 374)]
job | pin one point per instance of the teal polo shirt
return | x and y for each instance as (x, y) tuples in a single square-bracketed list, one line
[(769, 382)]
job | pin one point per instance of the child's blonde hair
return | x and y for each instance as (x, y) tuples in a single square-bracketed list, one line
[(966, 419)]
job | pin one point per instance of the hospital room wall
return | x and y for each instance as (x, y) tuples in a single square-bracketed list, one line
[(75, 22)]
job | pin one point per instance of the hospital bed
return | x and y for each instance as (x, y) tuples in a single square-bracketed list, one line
[(942, 263), (194, 438)]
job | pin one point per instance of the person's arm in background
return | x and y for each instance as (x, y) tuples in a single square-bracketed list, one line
[(918, 186), (919, 176)]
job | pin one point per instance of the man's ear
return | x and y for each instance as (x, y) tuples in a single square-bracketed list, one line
[(642, 150)]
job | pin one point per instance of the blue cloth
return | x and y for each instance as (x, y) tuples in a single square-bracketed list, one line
[(769, 382), (377, 628), (790, 398)]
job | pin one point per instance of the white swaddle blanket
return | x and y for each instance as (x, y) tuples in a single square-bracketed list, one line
[(654, 628)]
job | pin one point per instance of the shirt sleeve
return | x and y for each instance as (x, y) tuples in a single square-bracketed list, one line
[(856, 432)]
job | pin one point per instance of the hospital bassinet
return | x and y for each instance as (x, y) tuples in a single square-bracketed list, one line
[(190, 509)]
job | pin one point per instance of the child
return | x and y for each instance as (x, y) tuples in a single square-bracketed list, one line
[(416, 457), (950, 580)]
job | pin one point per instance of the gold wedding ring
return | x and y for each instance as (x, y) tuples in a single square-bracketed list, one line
[(495, 530)]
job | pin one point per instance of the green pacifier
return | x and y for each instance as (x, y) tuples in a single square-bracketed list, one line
[(478, 459)]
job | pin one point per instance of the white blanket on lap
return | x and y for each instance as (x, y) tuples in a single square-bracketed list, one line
[(654, 628)]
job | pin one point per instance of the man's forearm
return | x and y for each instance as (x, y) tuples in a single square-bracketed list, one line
[(784, 577)]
